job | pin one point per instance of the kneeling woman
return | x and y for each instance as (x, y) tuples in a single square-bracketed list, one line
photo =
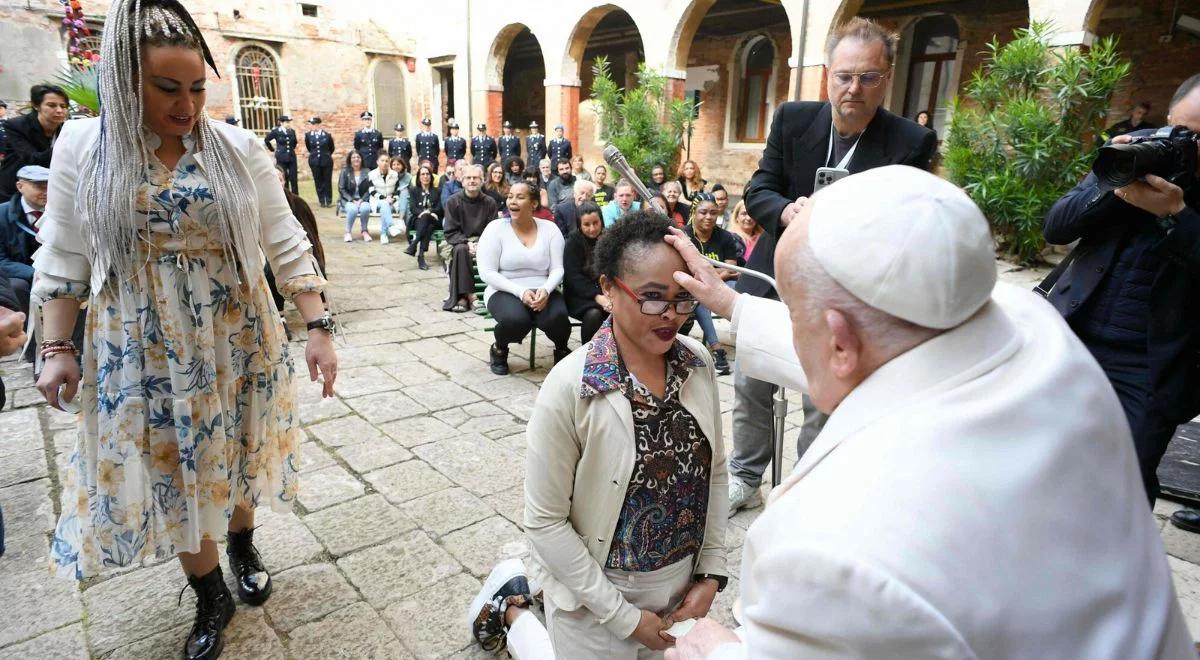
[(520, 260), (626, 489)]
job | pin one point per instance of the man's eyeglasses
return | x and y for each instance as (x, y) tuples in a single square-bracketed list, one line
[(657, 307), (867, 79)]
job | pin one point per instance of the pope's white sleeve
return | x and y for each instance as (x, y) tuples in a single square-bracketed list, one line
[(763, 332)]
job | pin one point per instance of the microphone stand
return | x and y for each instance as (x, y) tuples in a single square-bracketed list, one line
[(616, 160)]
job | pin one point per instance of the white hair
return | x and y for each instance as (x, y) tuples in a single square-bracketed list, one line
[(544, 161), (584, 184), (885, 334), (671, 185), (468, 168)]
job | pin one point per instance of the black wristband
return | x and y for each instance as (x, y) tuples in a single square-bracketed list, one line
[(721, 580)]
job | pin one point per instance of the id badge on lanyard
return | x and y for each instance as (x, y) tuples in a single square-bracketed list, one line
[(849, 154)]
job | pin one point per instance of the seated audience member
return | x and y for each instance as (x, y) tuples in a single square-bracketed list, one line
[(424, 215), (561, 188), (577, 168), (451, 181), (531, 177), (545, 172), (658, 176), (18, 231), (514, 169), (29, 139), (566, 214), (581, 285), (968, 425), (495, 185), (748, 231), (383, 195), (466, 215), (624, 202), (520, 259), (714, 243), (604, 192), (677, 210), (627, 429), (690, 181), (722, 197), (540, 212), (404, 181), (354, 190)]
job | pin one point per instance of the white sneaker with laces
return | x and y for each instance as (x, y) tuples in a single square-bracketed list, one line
[(383, 239), (348, 237), (366, 237), (742, 496)]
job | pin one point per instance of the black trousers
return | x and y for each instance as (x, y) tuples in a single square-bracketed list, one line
[(1152, 428), (589, 323), (20, 288), (514, 320), (323, 181), (289, 174), (425, 226)]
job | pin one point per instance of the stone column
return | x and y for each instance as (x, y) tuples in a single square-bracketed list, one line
[(562, 107)]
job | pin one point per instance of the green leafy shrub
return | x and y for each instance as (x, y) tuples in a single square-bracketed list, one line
[(644, 122), (1024, 133)]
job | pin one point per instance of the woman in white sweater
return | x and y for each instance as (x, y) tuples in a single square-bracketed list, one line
[(520, 259)]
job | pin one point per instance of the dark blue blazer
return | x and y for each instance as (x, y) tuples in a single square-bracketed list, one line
[(1102, 223), (16, 244)]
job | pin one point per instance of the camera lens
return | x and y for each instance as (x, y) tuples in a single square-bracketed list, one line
[(1121, 164)]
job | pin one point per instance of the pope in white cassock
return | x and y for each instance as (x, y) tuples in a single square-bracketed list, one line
[(975, 492)]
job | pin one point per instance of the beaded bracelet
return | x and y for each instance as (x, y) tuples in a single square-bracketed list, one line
[(53, 347)]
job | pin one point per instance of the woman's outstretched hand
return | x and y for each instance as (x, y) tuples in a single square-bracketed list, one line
[(321, 357)]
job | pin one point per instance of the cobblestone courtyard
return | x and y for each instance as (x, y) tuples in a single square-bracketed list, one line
[(411, 489)]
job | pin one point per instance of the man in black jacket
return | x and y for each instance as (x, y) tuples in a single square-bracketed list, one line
[(1131, 292), (282, 141), (18, 231), (851, 132), (319, 143)]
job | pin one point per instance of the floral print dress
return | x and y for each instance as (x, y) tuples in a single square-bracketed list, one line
[(187, 392)]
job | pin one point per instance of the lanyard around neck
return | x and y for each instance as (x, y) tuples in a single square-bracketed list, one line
[(849, 154)]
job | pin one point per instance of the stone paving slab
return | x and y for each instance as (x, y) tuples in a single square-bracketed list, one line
[(432, 622), (66, 643), (357, 524), (355, 631), (399, 568), (307, 593)]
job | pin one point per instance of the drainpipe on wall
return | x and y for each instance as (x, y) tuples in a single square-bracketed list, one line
[(470, 87), (799, 75)]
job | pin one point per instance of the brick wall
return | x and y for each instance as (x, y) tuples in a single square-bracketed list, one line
[(1158, 67)]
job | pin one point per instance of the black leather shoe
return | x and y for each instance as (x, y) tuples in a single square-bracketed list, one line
[(411, 250), (499, 360), (721, 362), (214, 609), (253, 581), (559, 354), (1187, 519), (421, 262)]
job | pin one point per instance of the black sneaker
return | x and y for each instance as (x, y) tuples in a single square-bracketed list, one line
[(499, 360), (721, 362), (505, 587)]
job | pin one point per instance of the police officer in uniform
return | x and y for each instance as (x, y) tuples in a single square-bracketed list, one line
[(319, 143), (231, 120), (368, 142), (483, 146), (456, 145), (400, 147), (428, 145), (535, 145), (282, 140), (560, 147), (509, 144)]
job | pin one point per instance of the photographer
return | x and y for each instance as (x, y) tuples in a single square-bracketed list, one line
[(1131, 292)]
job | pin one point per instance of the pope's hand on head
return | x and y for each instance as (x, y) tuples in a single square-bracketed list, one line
[(703, 283)]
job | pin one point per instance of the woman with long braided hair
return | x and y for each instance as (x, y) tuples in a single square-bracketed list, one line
[(159, 218)]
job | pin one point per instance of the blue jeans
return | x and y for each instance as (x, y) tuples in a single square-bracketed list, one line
[(704, 319), (361, 208), (385, 215)]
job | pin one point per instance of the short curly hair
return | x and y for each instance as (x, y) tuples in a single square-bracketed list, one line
[(628, 239)]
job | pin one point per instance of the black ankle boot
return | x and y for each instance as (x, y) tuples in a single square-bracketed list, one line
[(560, 353), (499, 360), (411, 250), (421, 262), (721, 362), (214, 609), (253, 581)]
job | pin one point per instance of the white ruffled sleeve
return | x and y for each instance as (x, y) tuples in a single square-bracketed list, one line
[(61, 267)]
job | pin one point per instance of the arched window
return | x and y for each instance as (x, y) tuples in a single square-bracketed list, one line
[(389, 97), (755, 66), (931, 68), (259, 97)]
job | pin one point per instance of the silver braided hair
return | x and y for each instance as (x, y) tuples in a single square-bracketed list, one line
[(111, 177)]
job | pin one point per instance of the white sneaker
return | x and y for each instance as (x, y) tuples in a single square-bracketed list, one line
[(742, 495), (348, 237), (506, 585), (366, 237), (383, 239)]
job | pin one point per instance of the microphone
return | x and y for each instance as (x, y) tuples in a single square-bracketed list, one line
[(616, 160)]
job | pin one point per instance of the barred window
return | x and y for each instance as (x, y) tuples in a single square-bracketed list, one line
[(258, 92)]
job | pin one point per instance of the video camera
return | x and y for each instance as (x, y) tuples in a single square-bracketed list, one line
[(1169, 153)]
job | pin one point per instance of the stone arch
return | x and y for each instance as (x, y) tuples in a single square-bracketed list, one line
[(498, 54), (389, 98), (581, 34)]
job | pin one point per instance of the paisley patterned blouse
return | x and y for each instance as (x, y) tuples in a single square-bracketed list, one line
[(666, 504)]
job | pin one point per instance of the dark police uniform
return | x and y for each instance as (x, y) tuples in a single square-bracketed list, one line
[(428, 148), (510, 146), (535, 146), (319, 143), (483, 149), (368, 142), (560, 148), (283, 142), (401, 148), (456, 148)]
